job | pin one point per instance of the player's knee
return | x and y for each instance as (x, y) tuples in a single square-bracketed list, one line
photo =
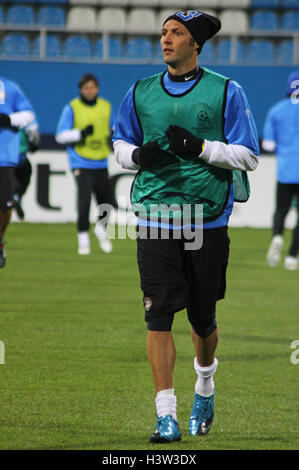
[(203, 329), (160, 323)]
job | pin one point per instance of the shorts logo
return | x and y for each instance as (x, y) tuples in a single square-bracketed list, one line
[(147, 303)]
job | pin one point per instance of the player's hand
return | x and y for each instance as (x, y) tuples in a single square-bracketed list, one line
[(87, 131), (146, 155), (182, 142), (32, 147), (5, 121)]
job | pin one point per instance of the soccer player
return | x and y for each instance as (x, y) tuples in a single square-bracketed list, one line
[(190, 134), (15, 113), (281, 134), (29, 141), (85, 126)]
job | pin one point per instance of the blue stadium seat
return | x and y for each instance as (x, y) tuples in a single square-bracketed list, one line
[(264, 20), (138, 48), (62, 2), (285, 52), (53, 46), (264, 3), (51, 16), (290, 3), (241, 52), (20, 14), (1, 15), (261, 51), (157, 51), (115, 48), (290, 20), (15, 45), (20, 1), (77, 47), (222, 50), (207, 53)]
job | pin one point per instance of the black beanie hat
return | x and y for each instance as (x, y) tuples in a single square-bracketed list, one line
[(200, 25)]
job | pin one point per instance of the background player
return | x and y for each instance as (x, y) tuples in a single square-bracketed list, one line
[(15, 113), (29, 141), (281, 134), (85, 126)]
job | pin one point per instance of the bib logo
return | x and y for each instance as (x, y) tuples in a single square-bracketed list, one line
[(188, 15), (202, 115)]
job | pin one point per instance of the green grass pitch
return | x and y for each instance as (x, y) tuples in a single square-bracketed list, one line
[(76, 374)]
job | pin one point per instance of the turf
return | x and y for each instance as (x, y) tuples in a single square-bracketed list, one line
[(76, 374)]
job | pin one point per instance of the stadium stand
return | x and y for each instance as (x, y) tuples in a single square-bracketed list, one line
[(290, 21), (86, 2), (138, 48), (20, 15), (223, 50), (290, 3), (233, 3), (81, 18), (118, 3), (22, 1), (265, 3), (260, 51), (179, 4), (276, 21), (111, 19), (234, 22), (114, 48), (77, 46), (15, 45), (157, 52), (146, 3), (52, 47), (51, 16), (139, 17), (285, 52), (203, 4), (264, 20), (61, 2), (207, 53)]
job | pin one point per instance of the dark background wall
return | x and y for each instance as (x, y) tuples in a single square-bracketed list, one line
[(49, 85)]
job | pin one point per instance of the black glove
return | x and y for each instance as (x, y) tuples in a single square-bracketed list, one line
[(5, 120), (145, 155), (32, 147), (182, 142), (87, 131)]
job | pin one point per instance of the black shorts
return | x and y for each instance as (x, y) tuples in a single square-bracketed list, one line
[(173, 279), (6, 187)]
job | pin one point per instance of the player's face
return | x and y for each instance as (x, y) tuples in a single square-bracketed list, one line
[(89, 91), (176, 43)]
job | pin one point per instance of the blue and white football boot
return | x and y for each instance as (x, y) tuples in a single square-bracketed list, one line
[(202, 414), (167, 430)]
